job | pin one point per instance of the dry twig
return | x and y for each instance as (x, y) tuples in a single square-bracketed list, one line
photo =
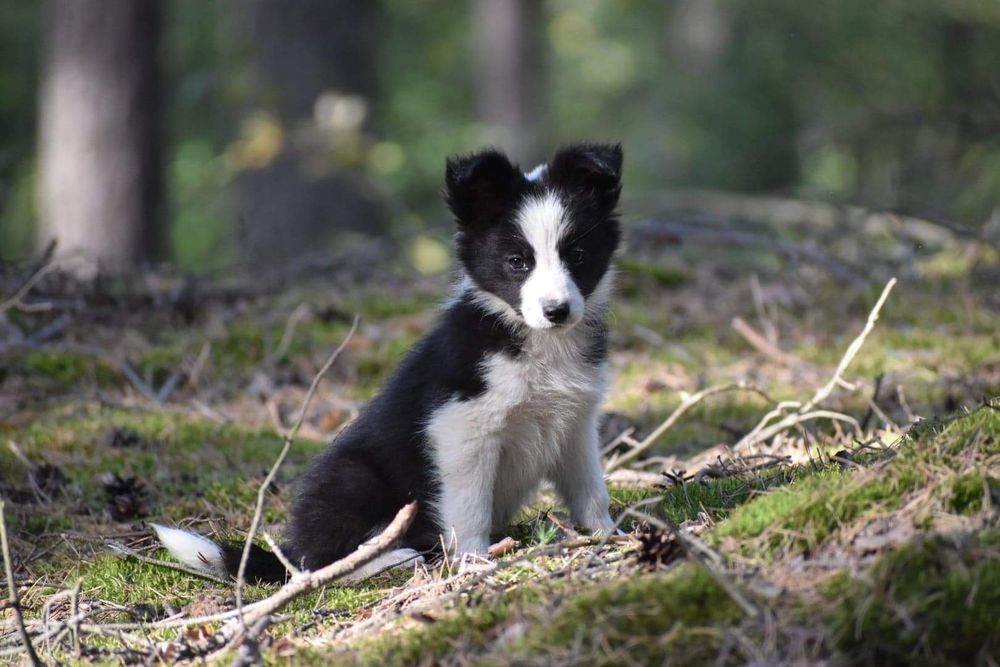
[(687, 403), (762, 344), (124, 551), (297, 586), (765, 430), (303, 582), (12, 602), (265, 485), (43, 267)]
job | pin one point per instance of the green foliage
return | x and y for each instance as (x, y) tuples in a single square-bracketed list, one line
[(890, 106)]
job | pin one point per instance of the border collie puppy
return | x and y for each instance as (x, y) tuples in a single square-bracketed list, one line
[(500, 395)]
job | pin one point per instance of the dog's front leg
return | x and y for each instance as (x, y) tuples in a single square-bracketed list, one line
[(579, 477), (467, 468)]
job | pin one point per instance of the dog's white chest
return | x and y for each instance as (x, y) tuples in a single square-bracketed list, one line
[(534, 397)]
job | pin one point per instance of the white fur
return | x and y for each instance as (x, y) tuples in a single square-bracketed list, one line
[(543, 222), (202, 554), (192, 549), (536, 420), (398, 558)]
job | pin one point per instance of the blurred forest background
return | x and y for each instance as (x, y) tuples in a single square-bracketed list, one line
[(215, 135), (239, 187)]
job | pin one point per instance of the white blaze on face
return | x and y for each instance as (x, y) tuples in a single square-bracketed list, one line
[(542, 221)]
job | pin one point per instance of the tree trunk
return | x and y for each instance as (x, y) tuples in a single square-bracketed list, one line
[(508, 54), (99, 134), (699, 35), (314, 82)]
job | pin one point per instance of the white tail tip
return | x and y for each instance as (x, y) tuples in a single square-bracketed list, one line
[(192, 549)]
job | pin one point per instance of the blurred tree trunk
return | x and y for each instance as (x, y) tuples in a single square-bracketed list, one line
[(508, 53), (699, 35), (99, 141), (314, 80)]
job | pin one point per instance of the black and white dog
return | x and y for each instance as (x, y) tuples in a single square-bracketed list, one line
[(502, 394)]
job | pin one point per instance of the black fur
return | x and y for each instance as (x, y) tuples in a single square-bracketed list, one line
[(381, 461), (485, 190)]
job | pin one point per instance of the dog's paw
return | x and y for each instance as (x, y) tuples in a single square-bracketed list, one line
[(397, 560), (603, 526)]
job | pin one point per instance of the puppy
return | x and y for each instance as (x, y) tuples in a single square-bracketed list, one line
[(503, 393)]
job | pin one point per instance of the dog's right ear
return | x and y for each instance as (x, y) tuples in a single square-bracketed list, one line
[(478, 186)]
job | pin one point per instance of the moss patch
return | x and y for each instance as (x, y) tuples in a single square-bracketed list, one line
[(933, 602)]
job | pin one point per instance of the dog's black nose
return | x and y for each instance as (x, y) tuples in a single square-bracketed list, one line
[(556, 311)]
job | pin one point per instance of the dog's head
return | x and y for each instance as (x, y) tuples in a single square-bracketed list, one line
[(537, 246)]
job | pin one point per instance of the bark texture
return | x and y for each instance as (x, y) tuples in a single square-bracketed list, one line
[(314, 66), (508, 53), (99, 132)]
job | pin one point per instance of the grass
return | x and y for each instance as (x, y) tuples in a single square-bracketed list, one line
[(930, 600), (924, 594), (682, 614)]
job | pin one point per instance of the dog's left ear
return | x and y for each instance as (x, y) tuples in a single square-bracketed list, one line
[(592, 168), (478, 186)]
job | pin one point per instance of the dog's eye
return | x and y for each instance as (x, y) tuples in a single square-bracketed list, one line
[(577, 255), (517, 263)]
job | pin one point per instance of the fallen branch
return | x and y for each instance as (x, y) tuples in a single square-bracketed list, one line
[(852, 350), (628, 478), (12, 601), (125, 552), (763, 345), (304, 582), (298, 585), (765, 430), (43, 267), (689, 401), (266, 484)]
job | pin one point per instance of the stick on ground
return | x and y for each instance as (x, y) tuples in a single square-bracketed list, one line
[(12, 601), (289, 438), (765, 430)]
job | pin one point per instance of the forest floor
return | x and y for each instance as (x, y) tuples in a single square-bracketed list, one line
[(865, 534)]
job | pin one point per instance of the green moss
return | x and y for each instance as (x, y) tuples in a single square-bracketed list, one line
[(128, 582), (932, 602), (38, 524), (189, 467), (69, 369), (682, 614), (158, 364), (780, 506), (377, 305), (241, 347), (467, 630), (718, 498), (966, 493), (635, 277), (807, 512), (920, 352)]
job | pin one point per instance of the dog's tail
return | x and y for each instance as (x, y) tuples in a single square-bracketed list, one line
[(204, 555)]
